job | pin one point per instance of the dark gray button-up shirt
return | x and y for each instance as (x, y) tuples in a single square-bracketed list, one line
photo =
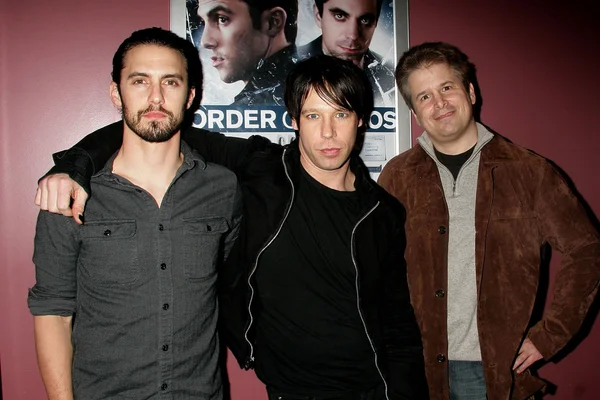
[(141, 282)]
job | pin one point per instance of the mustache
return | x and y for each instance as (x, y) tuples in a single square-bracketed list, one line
[(153, 108)]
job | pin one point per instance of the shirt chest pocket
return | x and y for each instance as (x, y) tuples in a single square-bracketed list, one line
[(109, 253), (202, 246)]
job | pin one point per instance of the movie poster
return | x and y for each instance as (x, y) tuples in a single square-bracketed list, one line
[(246, 58)]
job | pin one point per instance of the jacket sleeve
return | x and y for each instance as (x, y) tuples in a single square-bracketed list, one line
[(90, 154), (566, 226), (84, 159), (402, 338)]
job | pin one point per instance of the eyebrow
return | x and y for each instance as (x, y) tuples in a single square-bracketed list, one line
[(440, 85), (337, 10), (145, 75), (214, 12)]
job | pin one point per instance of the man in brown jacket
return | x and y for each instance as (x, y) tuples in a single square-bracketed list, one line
[(479, 211)]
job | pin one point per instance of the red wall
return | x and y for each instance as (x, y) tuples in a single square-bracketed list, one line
[(538, 87)]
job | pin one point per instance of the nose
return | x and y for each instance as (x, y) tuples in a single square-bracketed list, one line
[(208, 39), (439, 100), (353, 30), (328, 128), (156, 94)]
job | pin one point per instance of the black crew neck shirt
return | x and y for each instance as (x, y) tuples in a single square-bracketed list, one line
[(454, 162), (310, 338)]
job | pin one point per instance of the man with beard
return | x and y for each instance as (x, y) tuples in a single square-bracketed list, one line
[(251, 41), (347, 27), (140, 274)]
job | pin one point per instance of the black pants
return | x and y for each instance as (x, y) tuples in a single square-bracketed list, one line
[(377, 393)]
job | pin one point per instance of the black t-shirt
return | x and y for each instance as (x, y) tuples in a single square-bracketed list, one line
[(310, 338), (454, 162)]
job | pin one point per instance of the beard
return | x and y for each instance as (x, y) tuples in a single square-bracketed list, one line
[(154, 131)]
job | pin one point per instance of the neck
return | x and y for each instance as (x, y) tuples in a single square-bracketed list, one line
[(151, 166), (340, 179), (277, 43)]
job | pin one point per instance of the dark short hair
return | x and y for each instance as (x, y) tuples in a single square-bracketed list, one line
[(163, 38), (319, 4), (427, 54), (257, 7), (335, 80)]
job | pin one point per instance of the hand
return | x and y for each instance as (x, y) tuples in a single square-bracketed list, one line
[(54, 194), (528, 354)]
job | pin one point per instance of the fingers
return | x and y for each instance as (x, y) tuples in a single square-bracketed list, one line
[(526, 363), (80, 197), (54, 193), (528, 354), (38, 197)]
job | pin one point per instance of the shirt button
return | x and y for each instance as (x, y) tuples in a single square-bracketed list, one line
[(441, 358), (442, 229), (165, 347), (107, 232), (161, 227), (165, 306), (163, 266), (164, 386), (440, 294)]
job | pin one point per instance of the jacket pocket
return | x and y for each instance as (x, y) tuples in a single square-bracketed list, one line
[(202, 245), (109, 253)]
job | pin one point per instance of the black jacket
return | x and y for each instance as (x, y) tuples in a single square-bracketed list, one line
[(267, 174)]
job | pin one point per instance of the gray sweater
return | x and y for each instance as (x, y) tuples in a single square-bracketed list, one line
[(460, 194)]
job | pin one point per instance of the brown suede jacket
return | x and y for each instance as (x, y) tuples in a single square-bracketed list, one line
[(522, 203)]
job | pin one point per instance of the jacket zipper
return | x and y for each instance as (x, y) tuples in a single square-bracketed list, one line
[(250, 359), (352, 246)]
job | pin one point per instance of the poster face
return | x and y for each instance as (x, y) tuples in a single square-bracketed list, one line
[(248, 46)]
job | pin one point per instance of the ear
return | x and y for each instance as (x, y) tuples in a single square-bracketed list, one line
[(191, 96), (115, 96), (360, 123), (317, 16), (416, 118), (273, 21), (472, 93), (294, 124)]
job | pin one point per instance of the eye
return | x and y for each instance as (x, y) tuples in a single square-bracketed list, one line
[(446, 88), (341, 114), (339, 17), (222, 20), (138, 81), (366, 21), (172, 82), (425, 97), (311, 116)]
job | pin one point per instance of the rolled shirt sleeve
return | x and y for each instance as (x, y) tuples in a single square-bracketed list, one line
[(56, 249)]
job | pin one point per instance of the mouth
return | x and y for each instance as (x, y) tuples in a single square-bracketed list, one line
[(330, 152), (444, 116), (155, 115), (352, 50), (217, 61)]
